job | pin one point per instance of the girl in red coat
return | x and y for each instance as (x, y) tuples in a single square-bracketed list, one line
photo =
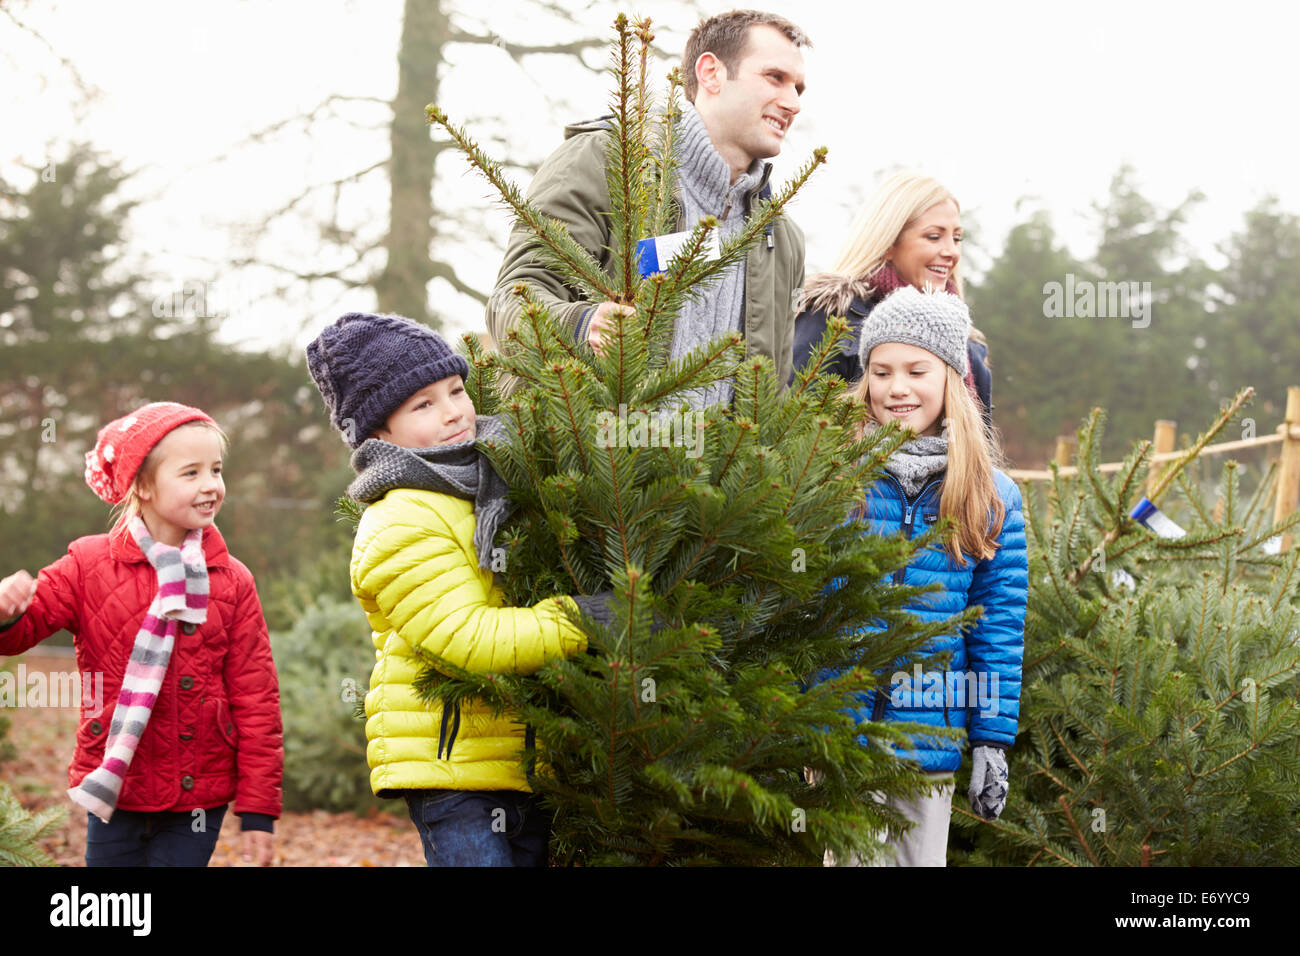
[(172, 622)]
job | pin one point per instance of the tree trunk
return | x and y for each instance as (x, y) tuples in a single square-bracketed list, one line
[(402, 286)]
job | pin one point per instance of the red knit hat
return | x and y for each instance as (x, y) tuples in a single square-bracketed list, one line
[(124, 444)]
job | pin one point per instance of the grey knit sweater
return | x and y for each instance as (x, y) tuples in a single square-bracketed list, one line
[(707, 190)]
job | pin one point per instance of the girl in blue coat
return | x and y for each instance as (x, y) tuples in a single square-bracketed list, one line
[(913, 353)]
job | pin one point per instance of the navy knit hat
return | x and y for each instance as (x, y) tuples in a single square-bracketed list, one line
[(366, 366)]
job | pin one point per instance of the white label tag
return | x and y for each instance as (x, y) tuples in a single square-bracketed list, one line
[(655, 253), (1162, 525)]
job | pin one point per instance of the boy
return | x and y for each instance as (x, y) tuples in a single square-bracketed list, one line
[(420, 568)]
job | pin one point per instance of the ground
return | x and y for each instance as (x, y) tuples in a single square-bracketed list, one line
[(44, 738)]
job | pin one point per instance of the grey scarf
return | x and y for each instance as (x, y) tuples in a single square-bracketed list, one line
[(917, 461), (461, 470)]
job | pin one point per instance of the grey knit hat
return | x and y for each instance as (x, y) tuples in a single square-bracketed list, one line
[(938, 322), (366, 366)]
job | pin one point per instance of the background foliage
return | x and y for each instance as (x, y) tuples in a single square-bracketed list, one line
[(1160, 723)]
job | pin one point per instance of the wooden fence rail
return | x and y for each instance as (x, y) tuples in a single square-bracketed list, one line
[(1288, 479)]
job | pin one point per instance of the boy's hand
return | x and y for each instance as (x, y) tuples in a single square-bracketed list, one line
[(256, 847), (16, 594), (603, 322)]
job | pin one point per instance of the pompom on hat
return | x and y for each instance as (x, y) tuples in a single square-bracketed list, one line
[(123, 445), (938, 322)]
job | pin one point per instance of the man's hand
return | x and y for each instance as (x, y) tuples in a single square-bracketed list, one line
[(256, 847), (16, 594), (603, 322)]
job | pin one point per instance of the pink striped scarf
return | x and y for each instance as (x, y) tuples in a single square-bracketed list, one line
[(182, 596)]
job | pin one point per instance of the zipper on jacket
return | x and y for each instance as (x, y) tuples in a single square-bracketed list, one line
[(530, 741), (449, 714), (442, 731), (764, 192), (909, 514), (455, 728)]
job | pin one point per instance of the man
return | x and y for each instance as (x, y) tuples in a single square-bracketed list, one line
[(744, 77)]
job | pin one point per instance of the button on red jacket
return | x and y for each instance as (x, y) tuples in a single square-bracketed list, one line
[(215, 732)]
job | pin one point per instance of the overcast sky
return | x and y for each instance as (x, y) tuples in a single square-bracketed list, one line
[(1003, 102)]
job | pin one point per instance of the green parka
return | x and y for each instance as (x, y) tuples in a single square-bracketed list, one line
[(571, 187)]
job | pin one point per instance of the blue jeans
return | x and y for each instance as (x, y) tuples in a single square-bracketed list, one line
[(480, 827), (165, 838)]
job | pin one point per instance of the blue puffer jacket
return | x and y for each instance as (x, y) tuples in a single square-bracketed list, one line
[(980, 689)]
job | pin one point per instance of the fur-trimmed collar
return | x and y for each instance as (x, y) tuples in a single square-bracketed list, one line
[(832, 292)]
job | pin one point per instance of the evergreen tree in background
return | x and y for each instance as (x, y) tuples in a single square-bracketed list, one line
[(1160, 722), (82, 341), (1056, 355), (1040, 386), (683, 736), (1252, 334)]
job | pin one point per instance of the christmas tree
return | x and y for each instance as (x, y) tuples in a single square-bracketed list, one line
[(1160, 723), (21, 832), (684, 735)]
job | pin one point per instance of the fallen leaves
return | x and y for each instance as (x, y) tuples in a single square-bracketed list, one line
[(45, 738)]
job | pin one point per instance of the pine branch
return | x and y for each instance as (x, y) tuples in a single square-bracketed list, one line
[(557, 248), (663, 215), (1263, 494), (625, 164), (761, 216), (707, 363), (1190, 455), (349, 510), (1185, 485), (1279, 529)]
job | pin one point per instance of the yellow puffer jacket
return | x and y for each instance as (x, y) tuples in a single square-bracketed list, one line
[(415, 571)]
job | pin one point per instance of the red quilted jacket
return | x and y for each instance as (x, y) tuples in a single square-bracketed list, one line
[(215, 731)]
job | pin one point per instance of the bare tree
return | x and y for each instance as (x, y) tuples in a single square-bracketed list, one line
[(401, 261)]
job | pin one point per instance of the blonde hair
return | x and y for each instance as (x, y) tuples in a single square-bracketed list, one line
[(129, 506), (897, 203), (969, 493)]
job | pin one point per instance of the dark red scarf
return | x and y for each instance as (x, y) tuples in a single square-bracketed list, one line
[(886, 280)]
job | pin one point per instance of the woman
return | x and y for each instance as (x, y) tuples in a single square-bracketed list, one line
[(909, 233)]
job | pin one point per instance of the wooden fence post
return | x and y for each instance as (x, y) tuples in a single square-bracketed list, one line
[(1066, 447), (1164, 442), (1288, 475)]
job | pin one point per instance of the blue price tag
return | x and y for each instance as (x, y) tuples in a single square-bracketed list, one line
[(654, 254), (1152, 517)]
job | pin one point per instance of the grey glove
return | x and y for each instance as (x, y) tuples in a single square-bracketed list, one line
[(597, 607), (988, 781)]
